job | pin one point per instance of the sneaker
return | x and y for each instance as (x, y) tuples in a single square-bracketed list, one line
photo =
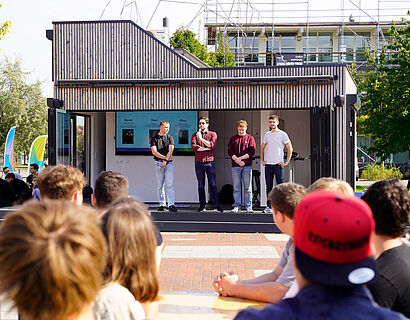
[(218, 209), (172, 209), (236, 210), (249, 210), (201, 209), (267, 210), (162, 208)]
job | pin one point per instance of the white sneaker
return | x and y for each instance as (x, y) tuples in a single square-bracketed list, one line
[(249, 210), (236, 210), (267, 210)]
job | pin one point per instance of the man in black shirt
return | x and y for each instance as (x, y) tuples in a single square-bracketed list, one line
[(162, 147), (33, 173), (390, 204), (7, 196), (20, 188)]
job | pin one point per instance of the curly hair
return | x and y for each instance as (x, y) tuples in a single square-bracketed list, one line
[(285, 197), (52, 254), (60, 182), (390, 204)]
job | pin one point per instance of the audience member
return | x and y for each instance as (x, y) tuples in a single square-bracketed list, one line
[(131, 275), (33, 173), (7, 170), (332, 184), (7, 195), (36, 191), (52, 254), (272, 286), (333, 260), (61, 182), (390, 204), (20, 188), (109, 186)]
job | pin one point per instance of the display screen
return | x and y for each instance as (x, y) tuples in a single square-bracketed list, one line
[(134, 130)]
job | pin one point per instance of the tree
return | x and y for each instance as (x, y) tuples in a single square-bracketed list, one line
[(223, 57), (185, 39), (386, 95), (21, 105), (4, 27)]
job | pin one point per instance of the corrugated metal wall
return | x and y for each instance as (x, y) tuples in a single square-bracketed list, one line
[(122, 50)]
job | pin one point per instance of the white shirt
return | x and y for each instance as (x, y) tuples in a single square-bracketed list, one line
[(275, 143), (115, 302)]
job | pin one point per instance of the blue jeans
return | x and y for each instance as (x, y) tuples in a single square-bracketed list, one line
[(208, 168), (272, 170), (165, 178), (239, 175)]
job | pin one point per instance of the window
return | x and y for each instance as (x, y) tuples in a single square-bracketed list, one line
[(244, 47), (279, 43), (321, 43), (355, 43)]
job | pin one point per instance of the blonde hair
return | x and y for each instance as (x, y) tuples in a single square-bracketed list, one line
[(286, 196), (332, 184), (52, 254), (242, 123), (60, 182), (131, 249)]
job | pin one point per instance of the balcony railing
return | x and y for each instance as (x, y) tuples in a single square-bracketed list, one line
[(298, 58)]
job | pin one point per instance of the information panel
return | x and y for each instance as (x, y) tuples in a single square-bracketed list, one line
[(134, 130)]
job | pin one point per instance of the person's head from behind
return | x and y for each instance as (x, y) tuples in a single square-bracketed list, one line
[(109, 186), (332, 184), (52, 254), (34, 168), (332, 238), (61, 182), (284, 199), (131, 249), (390, 204), (10, 177)]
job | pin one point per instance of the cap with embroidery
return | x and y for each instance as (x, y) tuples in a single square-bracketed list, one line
[(332, 238)]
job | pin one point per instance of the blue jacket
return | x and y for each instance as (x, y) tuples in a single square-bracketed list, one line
[(316, 302)]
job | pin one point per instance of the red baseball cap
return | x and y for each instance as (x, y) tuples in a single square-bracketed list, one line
[(332, 238)]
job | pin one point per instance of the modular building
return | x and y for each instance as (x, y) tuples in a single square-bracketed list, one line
[(114, 82)]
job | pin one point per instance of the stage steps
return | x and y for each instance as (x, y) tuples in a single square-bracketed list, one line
[(191, 221)]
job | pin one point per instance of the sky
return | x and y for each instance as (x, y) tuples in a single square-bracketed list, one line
[(30, 19)]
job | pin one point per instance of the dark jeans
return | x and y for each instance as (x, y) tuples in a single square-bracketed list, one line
[(272, 170), (209, 168)]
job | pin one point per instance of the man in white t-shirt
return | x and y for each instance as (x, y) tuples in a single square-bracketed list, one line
[(272, 155)]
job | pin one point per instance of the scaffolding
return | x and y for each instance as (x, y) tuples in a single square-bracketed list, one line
[(252, 18)]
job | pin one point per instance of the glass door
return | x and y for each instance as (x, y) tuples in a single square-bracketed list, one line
[(69, 139)]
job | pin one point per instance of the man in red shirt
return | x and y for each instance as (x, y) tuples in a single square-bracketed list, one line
[(203, 143), (241, 148)]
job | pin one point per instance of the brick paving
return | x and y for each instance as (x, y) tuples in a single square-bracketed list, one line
[(196, 274)]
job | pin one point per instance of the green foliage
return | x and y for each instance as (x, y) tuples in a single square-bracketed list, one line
[(185, 39), (21, 105), (380, 172), (4, 27), (223, 57), (386, 101)]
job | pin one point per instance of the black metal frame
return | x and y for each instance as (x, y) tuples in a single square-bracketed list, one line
[(322, 142)]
